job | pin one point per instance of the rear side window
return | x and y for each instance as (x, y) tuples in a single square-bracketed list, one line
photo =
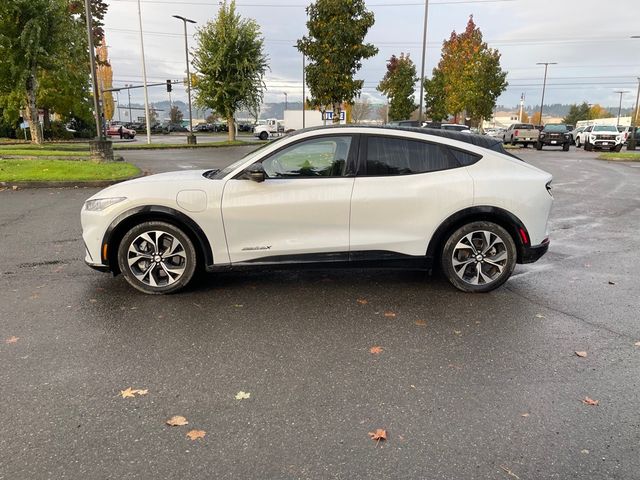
[(465, 158), (400, 156), (523, 126)]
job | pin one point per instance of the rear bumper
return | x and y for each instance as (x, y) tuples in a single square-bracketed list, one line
[(533, 253)]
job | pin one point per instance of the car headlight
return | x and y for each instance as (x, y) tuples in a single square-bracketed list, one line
[(618, 138), (99, 204), (593, 138)]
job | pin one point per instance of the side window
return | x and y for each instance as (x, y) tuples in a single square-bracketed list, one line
[(319, 157), (465, 158), (400, 156)]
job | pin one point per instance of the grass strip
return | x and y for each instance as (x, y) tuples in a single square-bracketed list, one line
[(38, 170), (620, 156)]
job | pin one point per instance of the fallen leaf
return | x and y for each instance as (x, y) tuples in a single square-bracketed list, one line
[(128, 393), (195, 434), (132, 392), (539, 315), (242, 395), (177, 421), (362, 301), (637, 344), (389, 314), (611, 283), (375, 350), (524, 415), (590, 401), (421, 323), (378, 435), (237, 305), (584, 451), (12, 339), (457, 332), (509, 472), (581, 354)]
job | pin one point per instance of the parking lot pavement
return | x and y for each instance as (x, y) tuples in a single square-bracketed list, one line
[(467, 386)]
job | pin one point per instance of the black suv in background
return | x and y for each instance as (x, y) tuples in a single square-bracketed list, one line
[(554, 135)]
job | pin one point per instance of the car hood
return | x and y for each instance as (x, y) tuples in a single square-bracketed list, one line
[(161, 184)]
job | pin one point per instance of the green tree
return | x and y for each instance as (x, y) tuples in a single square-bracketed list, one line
[(472, 78), (398, 85), (44, 62), (230, 63), (335, 48), (175, 115), (434, 97), (577, 113)]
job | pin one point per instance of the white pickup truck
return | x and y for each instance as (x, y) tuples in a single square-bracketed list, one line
[(273, 128), (600, 136), (523, 133)]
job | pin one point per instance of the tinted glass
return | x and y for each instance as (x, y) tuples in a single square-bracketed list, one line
[(524, 126), (465, 158), (555, 128), (605, 128), (399, 156), (320, 157)]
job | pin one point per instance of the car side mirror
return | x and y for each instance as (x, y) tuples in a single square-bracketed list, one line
[(255, 172)]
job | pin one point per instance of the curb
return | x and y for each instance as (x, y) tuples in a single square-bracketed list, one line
[(66, 184)]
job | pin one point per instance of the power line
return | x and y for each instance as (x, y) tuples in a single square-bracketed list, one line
[(299, 5)]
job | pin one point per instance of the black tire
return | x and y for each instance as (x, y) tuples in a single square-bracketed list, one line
[(588, 147), (525, 145), (264, 135), (565, 147), (538, 146), (617, 148), (497, 277), (184, 260)]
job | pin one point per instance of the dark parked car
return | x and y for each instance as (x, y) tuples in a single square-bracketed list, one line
[(175, 127), (554, 135), (204, 127)]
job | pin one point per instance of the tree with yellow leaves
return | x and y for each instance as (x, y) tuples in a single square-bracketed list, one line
[(104, 74)]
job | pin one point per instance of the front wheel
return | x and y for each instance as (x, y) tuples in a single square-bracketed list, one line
[(587, 146), (538, 146), (478, 257), (157, 257), (565, 147), (617, 148), (578, 142), (264, 135)]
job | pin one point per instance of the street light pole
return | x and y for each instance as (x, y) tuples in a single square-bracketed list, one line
[(191, 138), (544, 84), (129, 95), (144, 78), (424, 52), (286, 102), (620, 105), (633, 140), (304, 89)]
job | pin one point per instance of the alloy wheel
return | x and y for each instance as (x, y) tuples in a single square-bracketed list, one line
[(480, 257), (157, 258)]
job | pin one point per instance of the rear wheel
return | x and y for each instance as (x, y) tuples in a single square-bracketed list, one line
[(157, 257), (478, 257)]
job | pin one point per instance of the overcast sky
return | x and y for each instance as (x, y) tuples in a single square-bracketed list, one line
[(590, 40)]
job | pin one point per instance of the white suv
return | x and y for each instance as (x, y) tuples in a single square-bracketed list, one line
[(360, 195), (600, 136)]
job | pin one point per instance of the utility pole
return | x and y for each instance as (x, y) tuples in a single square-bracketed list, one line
[(424, 52), (191, 138), (144, 78), (129, 95), (521, 107), (94, 78), (286, 101), (544, 84), (304, 92), (620, 105)]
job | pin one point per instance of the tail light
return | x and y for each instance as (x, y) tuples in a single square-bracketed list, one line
[(516, 133)]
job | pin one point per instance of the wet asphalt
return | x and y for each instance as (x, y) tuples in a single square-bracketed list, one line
[(466, 386)]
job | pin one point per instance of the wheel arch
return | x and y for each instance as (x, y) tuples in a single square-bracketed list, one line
[(127, 220), (512, 224)]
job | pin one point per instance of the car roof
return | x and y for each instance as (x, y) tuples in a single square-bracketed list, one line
[(477, 140)]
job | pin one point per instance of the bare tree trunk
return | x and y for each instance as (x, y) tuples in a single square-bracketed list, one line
[(31, 111), (336, 113), (232, 128)]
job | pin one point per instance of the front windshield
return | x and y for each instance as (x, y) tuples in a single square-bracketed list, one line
[(555, 128), (605, 128), (253, 153)]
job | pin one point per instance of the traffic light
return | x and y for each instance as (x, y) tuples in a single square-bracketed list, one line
[(168, 85)]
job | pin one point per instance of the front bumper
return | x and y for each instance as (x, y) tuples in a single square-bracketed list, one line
[(533, 253), (554, 142)]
